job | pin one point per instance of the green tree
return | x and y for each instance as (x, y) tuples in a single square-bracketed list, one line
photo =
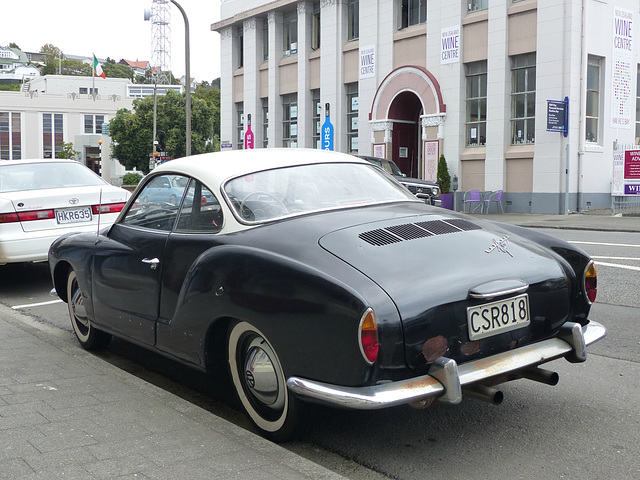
[(68, 151), (112, 69), (76, 68), (51, 52), (444, 179), (132, 131)]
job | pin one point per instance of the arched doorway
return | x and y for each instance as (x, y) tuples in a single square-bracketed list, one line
[(405, 111), (406, 103)]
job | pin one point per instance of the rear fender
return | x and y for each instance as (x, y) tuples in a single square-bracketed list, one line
[(310, 318)]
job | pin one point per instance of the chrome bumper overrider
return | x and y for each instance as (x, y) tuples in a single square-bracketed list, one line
[(446, 378)]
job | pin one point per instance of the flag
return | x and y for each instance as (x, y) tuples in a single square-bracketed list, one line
[(97, 68)]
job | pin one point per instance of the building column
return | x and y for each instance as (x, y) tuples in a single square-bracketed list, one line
[(441, 15), (275, 103), (227, 107), (305, 102), (498, 96), (252, 105), (332, 68), (375, 30)]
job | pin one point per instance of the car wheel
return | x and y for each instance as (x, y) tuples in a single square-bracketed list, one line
[(260, 383), (173, 200), (89, 337)]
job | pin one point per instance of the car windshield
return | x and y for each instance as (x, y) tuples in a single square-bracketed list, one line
[(391, 167), (36, 176), (272, 194)]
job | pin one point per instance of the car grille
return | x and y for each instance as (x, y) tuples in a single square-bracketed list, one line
[(411, 231)]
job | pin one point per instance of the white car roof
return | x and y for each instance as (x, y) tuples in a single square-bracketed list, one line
[(36, 160), (213, 169)]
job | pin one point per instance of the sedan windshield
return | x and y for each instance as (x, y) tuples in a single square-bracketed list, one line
[(271, 194), (36, 176)]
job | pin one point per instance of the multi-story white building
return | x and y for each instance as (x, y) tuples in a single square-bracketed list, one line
[(54, 109), (481, 81)]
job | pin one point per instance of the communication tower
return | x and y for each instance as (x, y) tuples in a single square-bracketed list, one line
[(161, 41)]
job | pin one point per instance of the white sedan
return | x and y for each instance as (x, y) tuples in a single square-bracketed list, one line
[(40, 200)]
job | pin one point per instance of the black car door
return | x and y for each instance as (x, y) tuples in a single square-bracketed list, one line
[(128, 268)]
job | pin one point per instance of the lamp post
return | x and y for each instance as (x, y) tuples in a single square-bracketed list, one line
[(187, 61), (187, 67)]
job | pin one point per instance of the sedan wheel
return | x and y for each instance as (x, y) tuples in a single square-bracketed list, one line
[(260, 383), (89, 337)]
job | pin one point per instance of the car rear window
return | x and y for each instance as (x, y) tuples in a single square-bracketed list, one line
[(36, 176), (272, 194)]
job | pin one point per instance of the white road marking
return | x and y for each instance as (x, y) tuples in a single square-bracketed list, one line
[(616, 258), (615, 265), (36, 304), (605, 244)]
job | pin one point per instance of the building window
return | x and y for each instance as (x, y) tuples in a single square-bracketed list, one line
[(475, 5), (10, 136), (352, 118), (93, 123), (51, 134), (83, 90), (353, 19), (411, 12), (265, 40), (316, 117), (593, 99), (315, 27), (476, 122), (265, 122), (240, 47), (240, 125), (523, 98), (290, 33), (290, 120)]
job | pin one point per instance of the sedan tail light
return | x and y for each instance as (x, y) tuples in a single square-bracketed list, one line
[(107, 208), (26, 216), (590, 282), (368, 336)]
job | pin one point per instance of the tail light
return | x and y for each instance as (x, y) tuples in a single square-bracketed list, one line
[(26, 216), (368, 336), (107, 208), (590, 282)]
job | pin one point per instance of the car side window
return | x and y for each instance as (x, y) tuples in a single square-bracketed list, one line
[(156, 206), (201, 211)]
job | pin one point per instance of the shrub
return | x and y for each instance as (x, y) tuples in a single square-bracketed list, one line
[(131, 178), (444, 179)]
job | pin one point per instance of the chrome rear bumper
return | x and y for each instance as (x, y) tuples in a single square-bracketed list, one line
[(446, 378)]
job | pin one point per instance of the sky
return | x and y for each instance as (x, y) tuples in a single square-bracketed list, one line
[(115, 29)]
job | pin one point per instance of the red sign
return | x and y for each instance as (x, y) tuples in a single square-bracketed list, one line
[(632, 165)]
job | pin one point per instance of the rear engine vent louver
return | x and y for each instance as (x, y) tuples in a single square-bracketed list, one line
[(411, 231), (379, 237)]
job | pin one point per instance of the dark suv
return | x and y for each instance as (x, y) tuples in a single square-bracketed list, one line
[(427, 191)]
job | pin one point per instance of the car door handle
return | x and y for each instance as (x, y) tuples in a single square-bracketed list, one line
[(152, 262)]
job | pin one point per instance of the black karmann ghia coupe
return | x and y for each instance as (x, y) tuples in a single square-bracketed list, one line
[(316, 276)]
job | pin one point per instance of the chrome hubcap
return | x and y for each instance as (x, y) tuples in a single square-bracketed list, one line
[(77, 305), (260, 374)]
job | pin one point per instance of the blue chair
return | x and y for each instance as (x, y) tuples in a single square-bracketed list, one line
[(494, 197), (471, 197)]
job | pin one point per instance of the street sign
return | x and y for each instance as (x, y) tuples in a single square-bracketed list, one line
[(558, 116), (327, 131)]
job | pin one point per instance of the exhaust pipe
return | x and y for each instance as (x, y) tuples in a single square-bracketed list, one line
[(486, 394), (541, 375)]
